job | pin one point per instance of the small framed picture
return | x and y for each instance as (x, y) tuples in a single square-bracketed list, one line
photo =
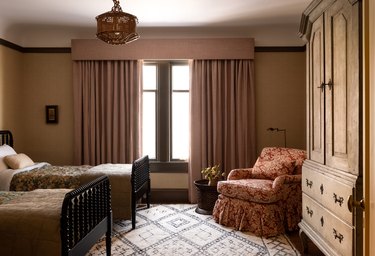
[(52, 114)]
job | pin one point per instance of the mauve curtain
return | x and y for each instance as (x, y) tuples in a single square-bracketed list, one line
[(107, 105), (222, 117)]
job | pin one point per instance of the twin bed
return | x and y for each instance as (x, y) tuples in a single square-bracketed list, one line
[(56, 221), (129, 182)]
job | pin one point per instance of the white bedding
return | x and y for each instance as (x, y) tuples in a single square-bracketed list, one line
[(7, 175)]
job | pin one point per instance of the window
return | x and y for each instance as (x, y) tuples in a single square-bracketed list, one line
[(166, 110), (149, 111)]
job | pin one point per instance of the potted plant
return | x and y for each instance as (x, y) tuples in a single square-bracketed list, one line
[(213, 174), (206, 189)]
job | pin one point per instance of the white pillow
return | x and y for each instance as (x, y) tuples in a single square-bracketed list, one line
[(18, 161), (3, 165), (6, 150)]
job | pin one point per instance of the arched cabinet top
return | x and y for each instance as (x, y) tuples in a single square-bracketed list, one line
[(312, 12)]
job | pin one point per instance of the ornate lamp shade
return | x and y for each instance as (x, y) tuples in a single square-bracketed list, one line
[(116, 26)]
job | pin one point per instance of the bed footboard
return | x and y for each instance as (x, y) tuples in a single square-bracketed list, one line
[(141, 183), (86, 216)]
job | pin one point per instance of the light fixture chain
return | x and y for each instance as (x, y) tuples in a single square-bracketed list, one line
[(116, 7)]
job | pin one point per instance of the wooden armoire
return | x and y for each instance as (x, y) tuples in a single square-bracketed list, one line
[(332, 173)]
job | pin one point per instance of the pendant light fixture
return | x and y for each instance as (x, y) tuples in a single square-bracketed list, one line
[(117, 27)]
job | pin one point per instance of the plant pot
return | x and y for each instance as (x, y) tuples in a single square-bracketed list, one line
[(207, 196)]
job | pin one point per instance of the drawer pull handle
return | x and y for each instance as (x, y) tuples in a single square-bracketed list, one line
[(338, 199), (322, 221), (309, 212), (309, 183), (321, 189), (338, 236)]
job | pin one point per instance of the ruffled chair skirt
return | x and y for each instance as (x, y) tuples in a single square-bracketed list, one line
[(261, 219)]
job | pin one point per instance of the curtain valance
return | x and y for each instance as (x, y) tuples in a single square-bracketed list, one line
[(206, 48)]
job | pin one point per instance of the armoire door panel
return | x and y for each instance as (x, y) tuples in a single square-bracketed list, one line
[(332, 173), (339, 101), (341, 92), (317, 91)]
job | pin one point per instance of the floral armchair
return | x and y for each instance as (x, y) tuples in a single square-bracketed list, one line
[(265, 199)]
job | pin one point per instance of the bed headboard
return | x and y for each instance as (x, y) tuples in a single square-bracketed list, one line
[(6, 137)]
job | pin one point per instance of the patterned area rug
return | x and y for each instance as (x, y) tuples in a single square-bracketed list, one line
[(176, 229)]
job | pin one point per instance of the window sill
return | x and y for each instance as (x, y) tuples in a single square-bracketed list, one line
[(168, 167)]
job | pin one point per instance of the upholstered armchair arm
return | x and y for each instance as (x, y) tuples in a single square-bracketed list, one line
[(293, 178), (286, 179), (238, 174)]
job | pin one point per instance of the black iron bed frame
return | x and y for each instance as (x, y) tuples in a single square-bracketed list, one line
[(86, 216), (6, 137), (140, 176), (141, 184)]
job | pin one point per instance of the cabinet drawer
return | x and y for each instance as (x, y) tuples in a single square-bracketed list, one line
[(311, 182), (331, 193), (336, 232)]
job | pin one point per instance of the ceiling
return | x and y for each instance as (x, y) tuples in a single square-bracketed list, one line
[(49, 23)]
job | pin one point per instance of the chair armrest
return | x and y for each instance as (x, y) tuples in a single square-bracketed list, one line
[(296, 178), (238, 174), (286, 179)]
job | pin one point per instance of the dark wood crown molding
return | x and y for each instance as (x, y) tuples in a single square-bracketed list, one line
[(280, 48), (35, 49), (69, 50)]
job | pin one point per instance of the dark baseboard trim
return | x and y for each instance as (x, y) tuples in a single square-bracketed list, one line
[(169, 196), (280, 48)]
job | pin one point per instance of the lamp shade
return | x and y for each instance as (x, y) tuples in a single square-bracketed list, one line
[(116, 26)]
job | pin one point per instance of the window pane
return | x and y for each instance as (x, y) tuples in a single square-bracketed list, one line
[(149, 77), (149, 124), (180, 77), (180, 125)]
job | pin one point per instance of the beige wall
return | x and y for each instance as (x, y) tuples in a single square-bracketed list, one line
[(10, 81), (47, 80), (30, 81), (280, 80)]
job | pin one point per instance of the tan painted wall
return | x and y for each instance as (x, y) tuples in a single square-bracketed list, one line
[(30, 81), (47, 80), (280, 79), (10, 80)]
